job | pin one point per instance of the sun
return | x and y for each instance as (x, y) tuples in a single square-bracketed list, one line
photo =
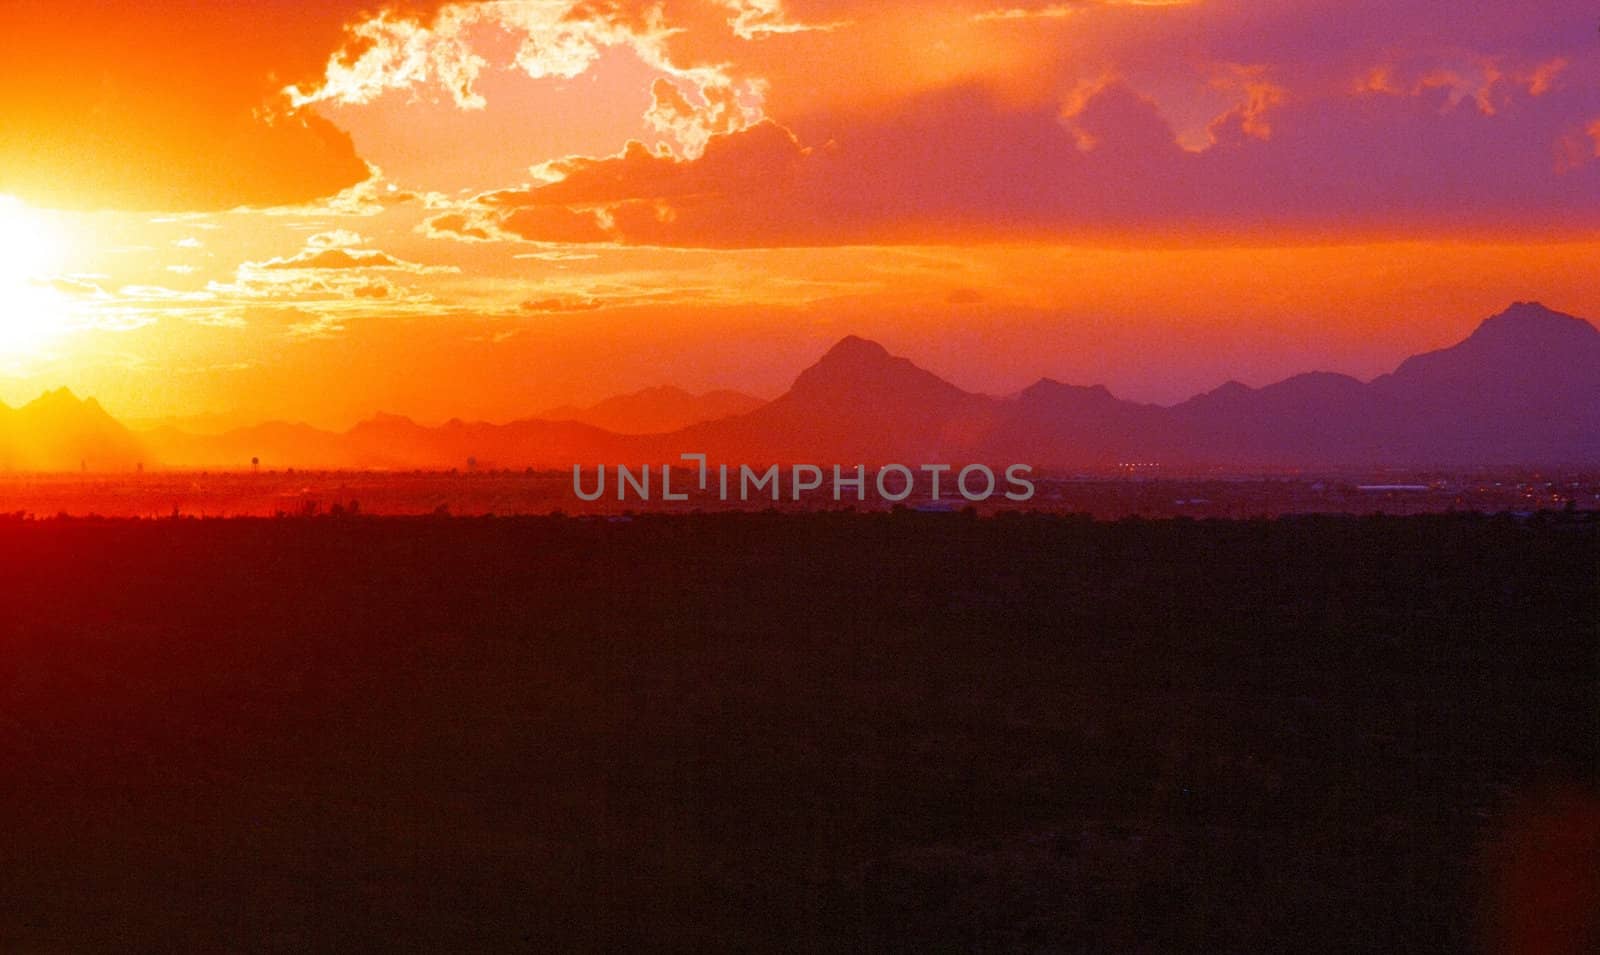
[(33, 313)]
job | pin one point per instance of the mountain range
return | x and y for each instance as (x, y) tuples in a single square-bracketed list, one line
[(1522, 390), (655, 410), (60, 432)]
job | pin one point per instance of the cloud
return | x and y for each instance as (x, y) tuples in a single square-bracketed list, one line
[(1030, 50), (557, 255), (1060, 11), (330, 251), (753, 19), (196, 105), (337, 250), (332, 275), (961, 165), (340, 259), (554, 40), (691, 123), (77, 286), (389, 51), (372, 196), (550, 305), (506, 219), (458, 226), (1578, 147), (317, 326), (335, 239), (170, 106), (1257, 96), (747, 160)]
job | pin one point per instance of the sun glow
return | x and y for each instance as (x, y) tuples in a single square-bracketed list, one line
[(33, 313)]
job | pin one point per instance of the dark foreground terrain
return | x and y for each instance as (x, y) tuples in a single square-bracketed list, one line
[(891, 732)]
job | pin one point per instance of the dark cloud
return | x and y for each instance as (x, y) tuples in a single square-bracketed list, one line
[(169, 106), (959, 165)]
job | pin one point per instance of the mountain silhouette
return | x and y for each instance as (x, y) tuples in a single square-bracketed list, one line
[(389, 441), (1527, 353), (58, 431), (857, 405), (858, 372), (1524, 387), (394, 441), (1312, 418), (655, 410), (1522, 390)]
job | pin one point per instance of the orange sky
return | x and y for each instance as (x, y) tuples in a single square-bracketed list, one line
[(319, 210)]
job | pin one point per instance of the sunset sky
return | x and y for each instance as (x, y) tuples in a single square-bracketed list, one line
[(318, 210)]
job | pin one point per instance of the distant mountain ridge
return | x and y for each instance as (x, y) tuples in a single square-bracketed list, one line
[(656, 410), (58, 431), (1522, 390)]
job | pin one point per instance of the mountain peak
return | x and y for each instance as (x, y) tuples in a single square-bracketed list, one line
[(1532, 320), (1232, 389), (58, 431), (1048, 387), (384, 419), (62, 401), (655, 410), (58, 396), (853, 348), (857, 370), (1529, 309)]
